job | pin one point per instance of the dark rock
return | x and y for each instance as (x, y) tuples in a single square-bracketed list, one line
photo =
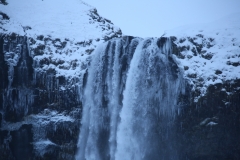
[(5, 151), (211, 39), (184, 48), (235, 64), (89, 51), (26, 89), (182, 40), (147, 43), (210, 128), (5, 16), (203, 52), (12, 36), (174, 67), (21, 142), (194, 51), (39, 50), (200, 35), (192, 75), (207, 56), (218, 72), (40, 37), (186, 67), (161, 41), (173, 38)]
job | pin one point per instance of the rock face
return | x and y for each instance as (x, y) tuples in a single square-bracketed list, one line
[(38, 117), (209, 129)]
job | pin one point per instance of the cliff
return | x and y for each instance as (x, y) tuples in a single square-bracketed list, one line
[(73, 87)]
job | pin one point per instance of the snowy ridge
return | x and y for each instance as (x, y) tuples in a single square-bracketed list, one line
[(73, 19), (61, 34), (209, 53)]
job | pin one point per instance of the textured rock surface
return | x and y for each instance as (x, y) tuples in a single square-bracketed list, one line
[(38, 118), (209, 129)]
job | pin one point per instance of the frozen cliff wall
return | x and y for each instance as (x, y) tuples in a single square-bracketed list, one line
[(209, 54), (35, 104)]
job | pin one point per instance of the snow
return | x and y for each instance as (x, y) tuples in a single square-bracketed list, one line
[(60, 19), (41, 146), (65, 32), (45, 142), (205, 121), (212, 124), (52, 116), (219, 39), (209, 122), (41, 119)]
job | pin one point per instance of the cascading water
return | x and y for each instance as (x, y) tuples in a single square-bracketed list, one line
[(130, 101)]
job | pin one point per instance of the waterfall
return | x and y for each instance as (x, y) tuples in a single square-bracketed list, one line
[(130, 101)]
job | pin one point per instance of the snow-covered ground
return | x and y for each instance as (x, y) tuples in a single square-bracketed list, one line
[(209, 53), (61, 33), (56, 18)]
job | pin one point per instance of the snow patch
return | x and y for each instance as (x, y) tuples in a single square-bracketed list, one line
[(209, 53), (42, 146), (212, 124)]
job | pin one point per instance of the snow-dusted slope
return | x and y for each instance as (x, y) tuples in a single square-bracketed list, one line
[(61, 33), (209, 53), (57, 18)]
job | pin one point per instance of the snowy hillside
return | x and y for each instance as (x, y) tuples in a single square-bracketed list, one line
[(61, 33), (209, 53), (73, 19)]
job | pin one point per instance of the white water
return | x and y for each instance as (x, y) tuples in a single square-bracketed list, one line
[(132, 127)]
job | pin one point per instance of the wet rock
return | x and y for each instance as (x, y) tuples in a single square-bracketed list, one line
[(210, 128), (21, 142)]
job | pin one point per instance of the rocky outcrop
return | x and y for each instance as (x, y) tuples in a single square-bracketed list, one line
[(40, 112), (208, 126), (209, 129)]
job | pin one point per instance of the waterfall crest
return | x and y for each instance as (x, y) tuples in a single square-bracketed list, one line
[(130, 101)]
